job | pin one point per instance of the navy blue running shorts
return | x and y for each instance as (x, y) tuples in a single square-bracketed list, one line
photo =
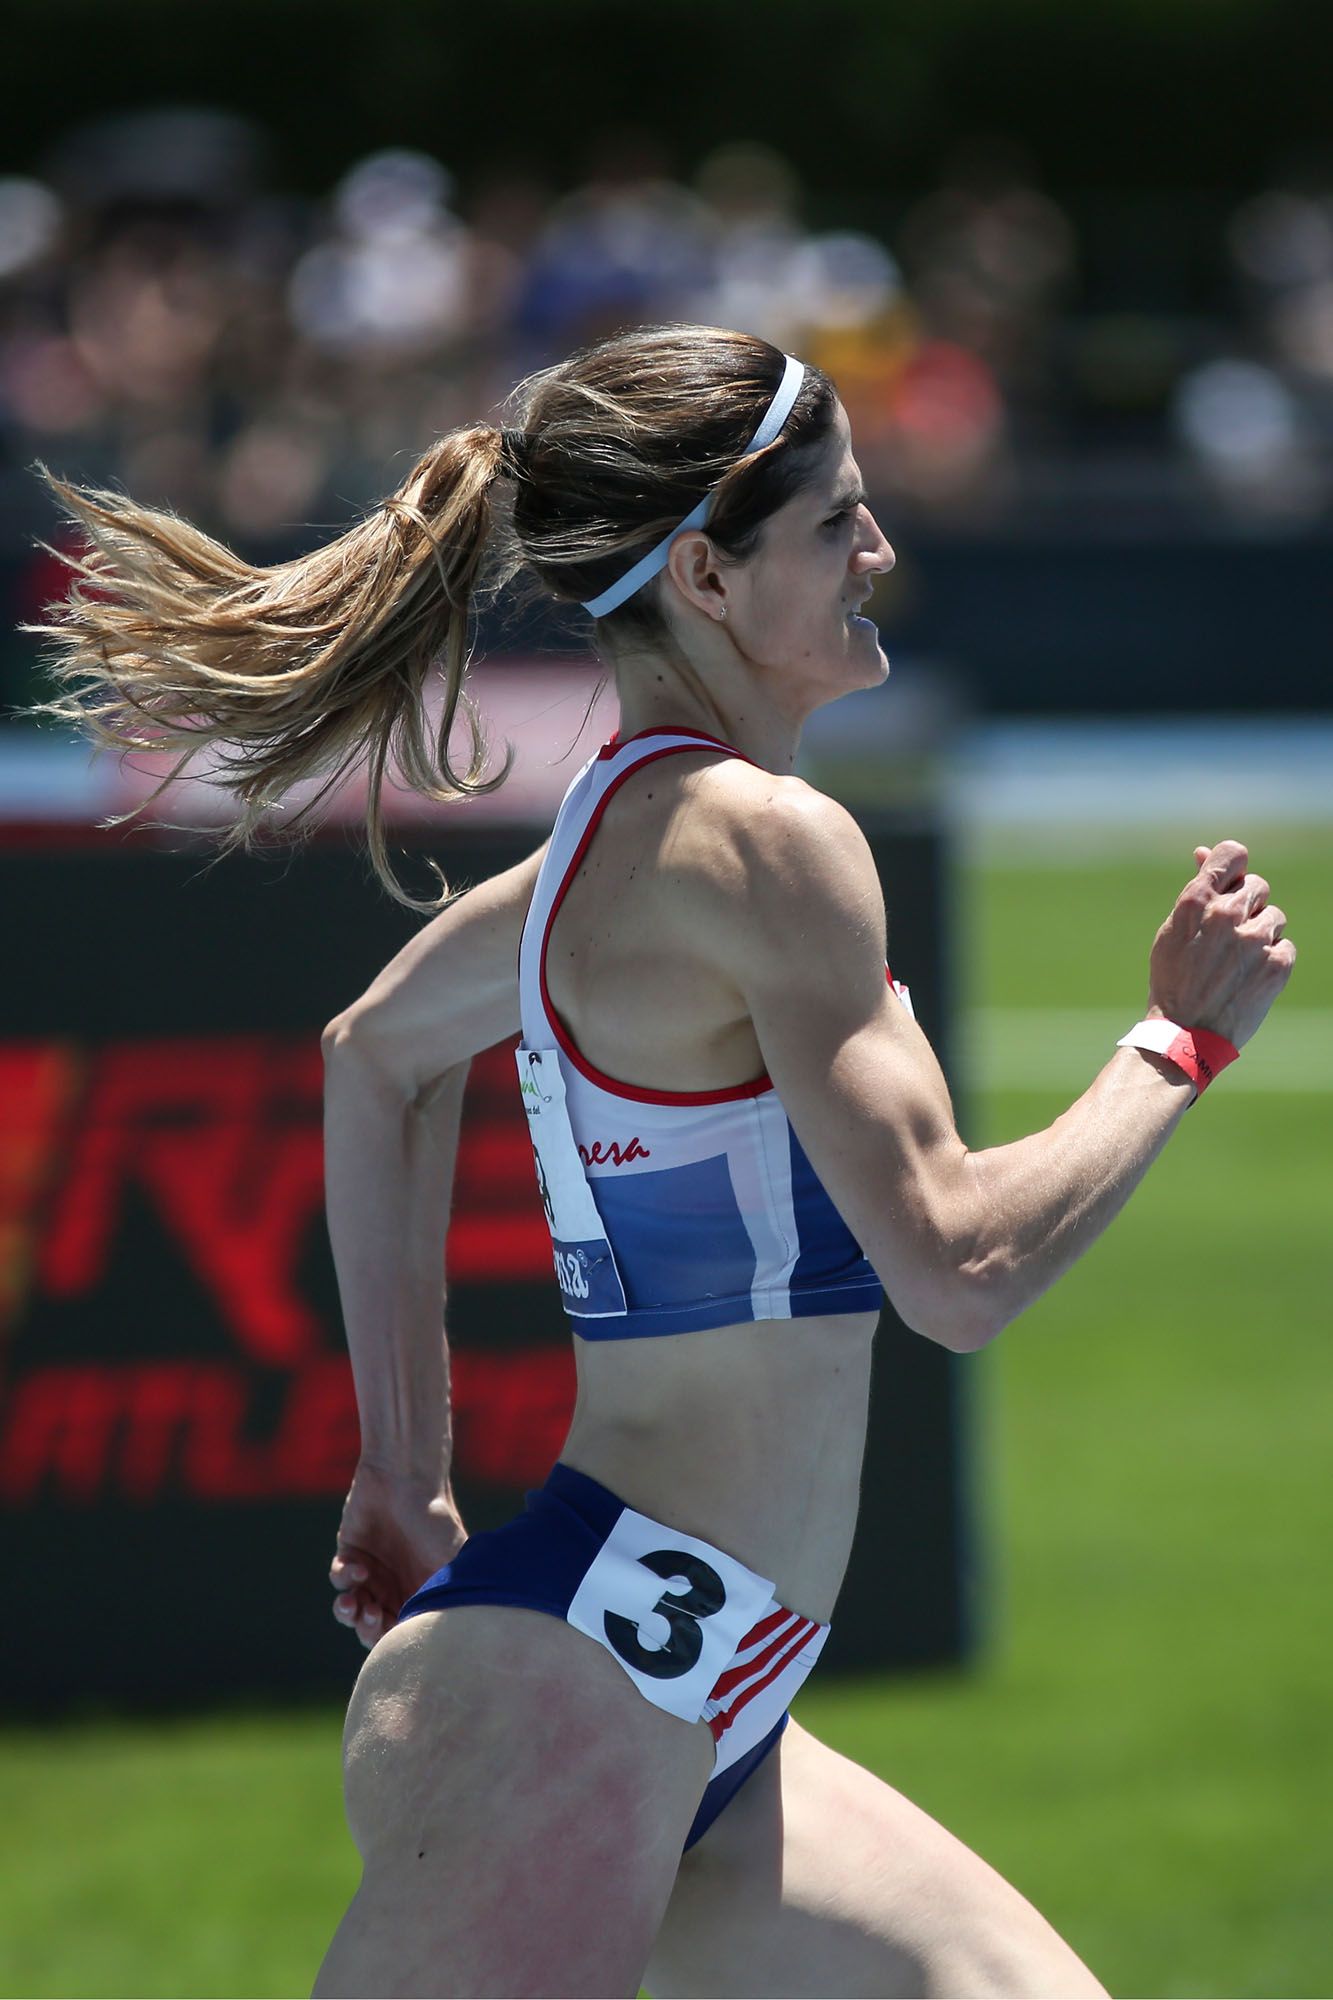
[(698, 1633)]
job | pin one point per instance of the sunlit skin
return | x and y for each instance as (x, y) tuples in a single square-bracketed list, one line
[(520, 1810), (758, 644)]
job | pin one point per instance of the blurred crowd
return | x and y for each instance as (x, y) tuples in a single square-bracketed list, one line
[(173, 322)]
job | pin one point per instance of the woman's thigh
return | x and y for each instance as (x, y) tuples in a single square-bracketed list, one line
[(519, 1809), (820, 1879)]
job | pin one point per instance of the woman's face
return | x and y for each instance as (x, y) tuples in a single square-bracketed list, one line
[(793, 606)]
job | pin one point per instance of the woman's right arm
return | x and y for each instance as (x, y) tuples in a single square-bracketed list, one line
[(451, 991), (396, 1065)]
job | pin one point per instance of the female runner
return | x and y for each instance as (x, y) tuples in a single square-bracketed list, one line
[(566, 1764)]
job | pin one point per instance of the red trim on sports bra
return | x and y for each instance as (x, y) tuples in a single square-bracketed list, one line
[(617, 742), (758, 1085)]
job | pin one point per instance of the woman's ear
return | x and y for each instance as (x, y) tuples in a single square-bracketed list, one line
[(694, 569)]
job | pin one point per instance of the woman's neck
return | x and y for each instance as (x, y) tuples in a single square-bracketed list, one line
[(655, 695)]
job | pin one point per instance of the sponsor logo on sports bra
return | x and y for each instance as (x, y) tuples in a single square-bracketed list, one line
[(610, 1153)]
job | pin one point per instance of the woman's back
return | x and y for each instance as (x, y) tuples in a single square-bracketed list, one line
[(627, 969)]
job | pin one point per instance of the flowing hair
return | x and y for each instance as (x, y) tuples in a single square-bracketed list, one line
[(168, 641)]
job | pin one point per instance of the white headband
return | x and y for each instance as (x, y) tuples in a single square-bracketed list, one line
[(775, 416)]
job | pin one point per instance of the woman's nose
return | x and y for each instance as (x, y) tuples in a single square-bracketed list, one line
[(877, 557)]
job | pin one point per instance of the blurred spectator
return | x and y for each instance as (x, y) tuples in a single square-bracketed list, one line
[(1257, 427), (391, 281), (31, 218), (991, 261), (1243, 429)]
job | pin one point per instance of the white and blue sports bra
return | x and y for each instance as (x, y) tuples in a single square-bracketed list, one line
[(670, 1211)]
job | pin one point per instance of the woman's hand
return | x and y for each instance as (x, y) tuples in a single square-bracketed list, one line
[(394, 1533), (1220, 959)]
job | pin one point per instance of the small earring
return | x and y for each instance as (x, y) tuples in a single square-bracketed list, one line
[(723, 612)]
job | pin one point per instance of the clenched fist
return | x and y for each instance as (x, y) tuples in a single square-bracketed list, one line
[(1220, 959)]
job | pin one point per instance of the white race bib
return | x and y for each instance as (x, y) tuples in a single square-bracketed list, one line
[(671, 1609), (585, 1266)]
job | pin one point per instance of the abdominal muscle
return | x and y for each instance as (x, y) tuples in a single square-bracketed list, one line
[(750, 1437)]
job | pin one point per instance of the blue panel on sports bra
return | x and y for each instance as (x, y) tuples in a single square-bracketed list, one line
[(679, 1234)]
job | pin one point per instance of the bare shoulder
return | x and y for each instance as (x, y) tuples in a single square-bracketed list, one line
[(781, 861)]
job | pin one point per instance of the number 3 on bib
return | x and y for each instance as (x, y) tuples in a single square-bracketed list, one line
[(672, 1613), (704, 1594)]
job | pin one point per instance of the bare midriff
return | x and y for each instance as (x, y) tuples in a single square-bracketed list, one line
[(750, 1437)]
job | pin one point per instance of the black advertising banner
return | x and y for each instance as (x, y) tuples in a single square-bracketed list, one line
[(177, 1422)]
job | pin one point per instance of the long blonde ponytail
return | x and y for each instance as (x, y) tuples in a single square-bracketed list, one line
[(169, 641)]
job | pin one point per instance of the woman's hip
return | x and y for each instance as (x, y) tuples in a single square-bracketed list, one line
[(699, 1635)]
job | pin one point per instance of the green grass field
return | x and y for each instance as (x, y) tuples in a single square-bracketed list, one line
[(1144, 1748)]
